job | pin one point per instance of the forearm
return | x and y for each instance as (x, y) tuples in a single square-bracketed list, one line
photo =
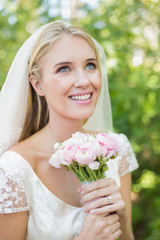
[(127, 233)]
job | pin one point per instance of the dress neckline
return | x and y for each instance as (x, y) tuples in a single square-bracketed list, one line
[(35, 175)]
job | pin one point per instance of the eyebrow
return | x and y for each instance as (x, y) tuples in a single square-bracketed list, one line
[(63, 63), (91, 59)]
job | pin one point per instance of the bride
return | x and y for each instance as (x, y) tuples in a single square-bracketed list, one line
[(56, 86)]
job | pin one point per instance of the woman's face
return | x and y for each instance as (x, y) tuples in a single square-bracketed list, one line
[(70, 78)]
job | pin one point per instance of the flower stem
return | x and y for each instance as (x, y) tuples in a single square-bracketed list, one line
[(90, 173), (83, 172), (73, 169)]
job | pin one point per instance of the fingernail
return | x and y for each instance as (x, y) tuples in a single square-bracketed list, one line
[(93, 211), (82, 192)]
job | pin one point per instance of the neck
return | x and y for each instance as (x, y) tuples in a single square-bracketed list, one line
[(62, 129)]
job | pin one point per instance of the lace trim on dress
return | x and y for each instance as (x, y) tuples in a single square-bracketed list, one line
[(12, 197), (127, 158)]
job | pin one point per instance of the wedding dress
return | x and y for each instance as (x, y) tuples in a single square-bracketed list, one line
[(49, 218)]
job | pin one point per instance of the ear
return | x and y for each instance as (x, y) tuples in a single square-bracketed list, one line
[(37, 85)]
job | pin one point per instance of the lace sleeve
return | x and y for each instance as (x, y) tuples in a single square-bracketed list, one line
[(12, 187), (127, 160)]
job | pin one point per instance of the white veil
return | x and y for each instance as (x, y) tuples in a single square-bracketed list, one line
[(14, 93), (101, 120)]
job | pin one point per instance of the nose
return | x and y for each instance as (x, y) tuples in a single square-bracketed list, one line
[(81, 79)]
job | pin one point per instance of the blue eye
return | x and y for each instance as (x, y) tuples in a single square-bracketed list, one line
[(90, 66), (63, 69)]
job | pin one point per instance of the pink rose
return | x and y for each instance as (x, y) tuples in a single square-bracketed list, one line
[(99, 149), (70, 153), (80, 137), (111, 153), (56, 146), (92, 139), (55, 161), (85, 155), (94, 165), (104, 134), (110, 143)]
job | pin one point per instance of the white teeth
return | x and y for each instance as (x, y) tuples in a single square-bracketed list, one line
[(81, 97)]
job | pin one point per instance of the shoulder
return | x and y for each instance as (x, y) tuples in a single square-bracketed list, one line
[(13, 166), (10, 158), (32, 152), (14, 174), (25, 151)]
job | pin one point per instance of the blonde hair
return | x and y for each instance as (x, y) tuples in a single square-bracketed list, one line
[(37, 114)]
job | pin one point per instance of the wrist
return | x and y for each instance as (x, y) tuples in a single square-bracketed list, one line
[(127, 233), (124, 218)]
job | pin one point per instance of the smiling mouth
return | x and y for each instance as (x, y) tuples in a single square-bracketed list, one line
[(81, 97)]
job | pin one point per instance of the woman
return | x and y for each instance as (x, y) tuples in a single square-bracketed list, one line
[(65, 71)]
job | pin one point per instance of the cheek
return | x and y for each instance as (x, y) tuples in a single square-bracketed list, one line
[(97, 82), (57, 85), (62, 87)]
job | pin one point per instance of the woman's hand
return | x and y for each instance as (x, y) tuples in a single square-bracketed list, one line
[(100, 228), (96, 196)]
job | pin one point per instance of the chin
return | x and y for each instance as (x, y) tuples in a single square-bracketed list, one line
[(84, 116)]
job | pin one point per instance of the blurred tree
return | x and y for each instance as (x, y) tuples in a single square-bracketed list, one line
[(18, 19), (129, 32)]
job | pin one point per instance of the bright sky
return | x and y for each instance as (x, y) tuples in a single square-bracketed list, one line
[(54, 10), (65, 6)]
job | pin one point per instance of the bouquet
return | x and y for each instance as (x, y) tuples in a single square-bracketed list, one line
[(86, 155)]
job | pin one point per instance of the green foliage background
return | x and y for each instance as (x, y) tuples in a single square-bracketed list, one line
[(130, 34)]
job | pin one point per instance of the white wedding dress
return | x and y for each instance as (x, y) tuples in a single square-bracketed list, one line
[(49, 217)]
